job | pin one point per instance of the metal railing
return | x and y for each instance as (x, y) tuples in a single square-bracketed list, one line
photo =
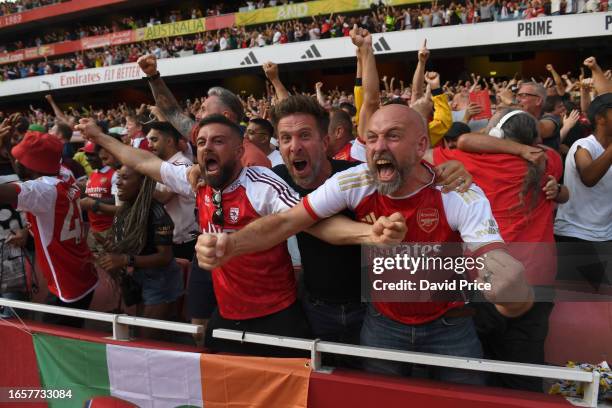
[(316, 347), (122, 322)]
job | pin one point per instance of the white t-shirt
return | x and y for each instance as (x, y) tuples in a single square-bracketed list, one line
[(275, 158), (588, 213), (181, 207), (276, 38), (314, 34), (222, 43)]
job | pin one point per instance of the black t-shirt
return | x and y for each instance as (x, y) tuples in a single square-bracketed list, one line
[(159, 229), (554, 141), (331, 273)]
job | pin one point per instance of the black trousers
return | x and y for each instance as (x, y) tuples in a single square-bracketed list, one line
[(77, 322), (186, 250), (290, 322), (519, 340), (583, 261)]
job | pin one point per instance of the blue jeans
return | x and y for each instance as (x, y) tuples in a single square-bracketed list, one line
[(454, 336), (339, 323), (8, 312)]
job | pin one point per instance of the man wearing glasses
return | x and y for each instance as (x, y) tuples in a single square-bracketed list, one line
[(531, 98), (256, 292)]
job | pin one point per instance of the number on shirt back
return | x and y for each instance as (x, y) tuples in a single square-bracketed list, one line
[(72, 224)]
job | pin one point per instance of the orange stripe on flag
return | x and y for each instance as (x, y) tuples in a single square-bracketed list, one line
[(237, 381)]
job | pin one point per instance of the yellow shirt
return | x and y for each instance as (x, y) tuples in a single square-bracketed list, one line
[(442, 119)]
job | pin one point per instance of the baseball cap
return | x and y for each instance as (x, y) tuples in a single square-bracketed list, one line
[(40, 152), (598, 105)]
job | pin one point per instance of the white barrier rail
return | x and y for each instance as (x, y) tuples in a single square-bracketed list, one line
[(316, 347), (122, 322)]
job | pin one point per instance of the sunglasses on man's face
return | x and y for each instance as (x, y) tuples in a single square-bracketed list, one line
[(218, 214)]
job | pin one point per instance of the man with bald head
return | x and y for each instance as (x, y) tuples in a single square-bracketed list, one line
[(395, 180)]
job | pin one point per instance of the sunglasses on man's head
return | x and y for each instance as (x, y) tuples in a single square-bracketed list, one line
[(218, 214)]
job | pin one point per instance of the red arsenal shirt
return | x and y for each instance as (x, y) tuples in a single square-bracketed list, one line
[(250, 285), (501, 177), (53, 210), (99, 186), (431, 217)]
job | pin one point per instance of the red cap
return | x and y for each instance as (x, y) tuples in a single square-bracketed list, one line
[(40, 152), (90, 147)]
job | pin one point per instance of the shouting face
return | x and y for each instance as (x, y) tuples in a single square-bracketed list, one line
[(396, 141), (219, 153)]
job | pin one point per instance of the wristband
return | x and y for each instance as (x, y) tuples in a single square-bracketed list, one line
[(358, 81), (559, 189), (153, 77), (436, 92)]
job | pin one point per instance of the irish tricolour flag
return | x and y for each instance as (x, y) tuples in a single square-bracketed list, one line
[(164, 378)]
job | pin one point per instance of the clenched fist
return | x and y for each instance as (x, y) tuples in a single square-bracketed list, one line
[(148, 64), (271, 70), (212, 250), (389, 230), (590, 63), (360, 37)]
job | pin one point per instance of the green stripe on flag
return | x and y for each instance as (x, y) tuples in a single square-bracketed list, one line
[(67, 364)]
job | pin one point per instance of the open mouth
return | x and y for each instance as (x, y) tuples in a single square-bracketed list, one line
[(212, 165), (386, 170), (300, 165)]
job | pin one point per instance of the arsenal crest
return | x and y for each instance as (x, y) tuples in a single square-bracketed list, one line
[(234, 213), (428, 219)]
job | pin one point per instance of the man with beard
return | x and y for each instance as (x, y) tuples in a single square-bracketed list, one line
[(52, 206), (255, 292), (395, 179), (200, 296)]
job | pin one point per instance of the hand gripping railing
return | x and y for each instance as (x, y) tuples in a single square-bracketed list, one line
[(316, 347)]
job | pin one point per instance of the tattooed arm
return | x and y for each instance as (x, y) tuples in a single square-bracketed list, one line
[(164, 99)]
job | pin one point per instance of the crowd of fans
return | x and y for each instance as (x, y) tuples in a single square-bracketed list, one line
[(539, 153), (11, 7), (379, 19)]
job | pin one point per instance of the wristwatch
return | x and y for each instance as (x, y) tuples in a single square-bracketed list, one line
[(153, 77)]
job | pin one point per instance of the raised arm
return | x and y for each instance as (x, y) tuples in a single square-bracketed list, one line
[(601, 84), (371, 89), (271, 71), (142, 161), (56, 109), (418, 78), (164, 99), (559, 85)]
